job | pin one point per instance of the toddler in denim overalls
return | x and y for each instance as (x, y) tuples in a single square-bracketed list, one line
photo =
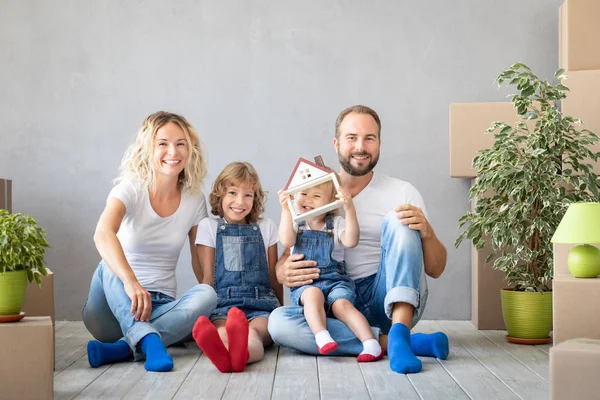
[(235, 260), (318, 239)]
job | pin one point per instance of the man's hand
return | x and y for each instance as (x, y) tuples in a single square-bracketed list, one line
[(141, 304), (294, 271), (415, 219)]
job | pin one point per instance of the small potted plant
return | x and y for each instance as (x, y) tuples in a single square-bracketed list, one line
[(22, 249), (525, 182)]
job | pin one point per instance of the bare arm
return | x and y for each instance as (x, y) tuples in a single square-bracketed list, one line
[(194, 253), (434, 252), (351, 234), (206, 257), (272, 259), (112, 253), (287, 234)]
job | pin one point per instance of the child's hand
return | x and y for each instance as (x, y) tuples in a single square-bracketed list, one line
[(283, 199), (345, 199)]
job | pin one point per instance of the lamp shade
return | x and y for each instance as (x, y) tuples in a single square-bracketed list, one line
[(580, 224)]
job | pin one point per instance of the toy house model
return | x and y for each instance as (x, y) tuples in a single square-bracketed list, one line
[(305, 175)]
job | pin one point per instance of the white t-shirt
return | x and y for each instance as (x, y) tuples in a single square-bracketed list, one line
[(151, 243), (339, 226), (378, 198), (207, 232)]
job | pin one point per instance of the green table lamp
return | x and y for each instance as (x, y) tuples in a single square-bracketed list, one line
[(581, 224)]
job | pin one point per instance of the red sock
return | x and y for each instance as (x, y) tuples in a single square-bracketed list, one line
[(207, 337), (237, 334), (328, 348)]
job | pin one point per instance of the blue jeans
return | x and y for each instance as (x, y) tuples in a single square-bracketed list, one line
[(107, 315), (400, 278)]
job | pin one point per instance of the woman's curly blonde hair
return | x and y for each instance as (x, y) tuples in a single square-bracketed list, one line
[(138, 165), (238, 174)]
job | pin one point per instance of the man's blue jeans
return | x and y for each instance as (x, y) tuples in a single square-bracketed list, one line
[(399, 279), (107, 315)]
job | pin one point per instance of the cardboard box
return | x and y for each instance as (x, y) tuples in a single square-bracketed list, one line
[(40, 301), (561, 253), (582, 101), (579, 35), (468, 123), (575, 308), (26, 359), (6, 194), (574, 368)]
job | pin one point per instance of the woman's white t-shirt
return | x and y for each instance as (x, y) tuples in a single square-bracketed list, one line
[(151, 243), (339, 226), (207, 232)]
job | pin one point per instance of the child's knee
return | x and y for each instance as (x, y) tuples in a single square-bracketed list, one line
[(341, 306), (312, 294)]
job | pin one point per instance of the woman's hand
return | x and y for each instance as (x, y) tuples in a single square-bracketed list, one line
[(141, 304)]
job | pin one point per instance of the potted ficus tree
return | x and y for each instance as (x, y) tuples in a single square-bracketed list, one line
[(22, 249), (524, 185)]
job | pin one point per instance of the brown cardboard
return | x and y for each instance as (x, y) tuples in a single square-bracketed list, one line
[(579, 35), (561, 253), (486, 283), (583, 100), (574, 368), (26, 359), (6, 194), (40, 301), (468, 123), (575, 308)]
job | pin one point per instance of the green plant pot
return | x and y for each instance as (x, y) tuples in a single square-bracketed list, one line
[(527, 315), (13, 287)]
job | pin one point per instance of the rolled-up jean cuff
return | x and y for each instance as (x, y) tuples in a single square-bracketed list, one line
[(138, 331), (401, 294)]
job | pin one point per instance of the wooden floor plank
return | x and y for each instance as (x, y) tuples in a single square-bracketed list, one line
[(383, 383), (529, 356), (474, 379), (115, 382), (204, 382), (341, 378), (256, 382), (434, 382), (70, 345), (59, 324), (160, 385), (72, 380), (515, 375), (545, 348), (296, 376)]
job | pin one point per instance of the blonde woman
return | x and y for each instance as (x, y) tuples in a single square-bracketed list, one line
[(157, 203)]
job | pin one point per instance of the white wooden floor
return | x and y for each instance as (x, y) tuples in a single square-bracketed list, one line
[(481, 365)]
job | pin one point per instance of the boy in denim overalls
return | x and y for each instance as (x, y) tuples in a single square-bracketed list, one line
[(322, 239)]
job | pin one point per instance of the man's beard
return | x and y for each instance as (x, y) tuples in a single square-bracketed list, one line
[(345, 162)]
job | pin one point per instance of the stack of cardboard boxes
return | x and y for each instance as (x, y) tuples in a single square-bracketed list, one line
[(27, 346), (468, 122), (575, 357)]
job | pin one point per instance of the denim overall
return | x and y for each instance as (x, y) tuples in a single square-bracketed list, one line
[(333, 280), (242, 272)]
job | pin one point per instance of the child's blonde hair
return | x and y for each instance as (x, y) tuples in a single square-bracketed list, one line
[(238, 174), (138, 165)]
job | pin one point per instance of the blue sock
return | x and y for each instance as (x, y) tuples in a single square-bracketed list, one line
[(430, 344), (402, 359), (107, 353), (157, 358)]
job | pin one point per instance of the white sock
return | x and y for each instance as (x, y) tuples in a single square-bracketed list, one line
[(372, 347), (323, 337)]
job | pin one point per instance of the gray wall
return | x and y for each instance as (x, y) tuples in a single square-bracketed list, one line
[(262, 81)]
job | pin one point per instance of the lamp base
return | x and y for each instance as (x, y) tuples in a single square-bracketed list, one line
[(584, 261)]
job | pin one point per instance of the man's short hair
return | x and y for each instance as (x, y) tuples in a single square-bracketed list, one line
[(358, 109)]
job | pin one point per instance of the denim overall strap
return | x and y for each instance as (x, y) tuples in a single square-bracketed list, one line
[(241, 267), (317, 245)]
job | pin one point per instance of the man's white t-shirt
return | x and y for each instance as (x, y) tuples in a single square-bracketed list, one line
[(378, 198), (207, 232), (151, 243), (339, 226)]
